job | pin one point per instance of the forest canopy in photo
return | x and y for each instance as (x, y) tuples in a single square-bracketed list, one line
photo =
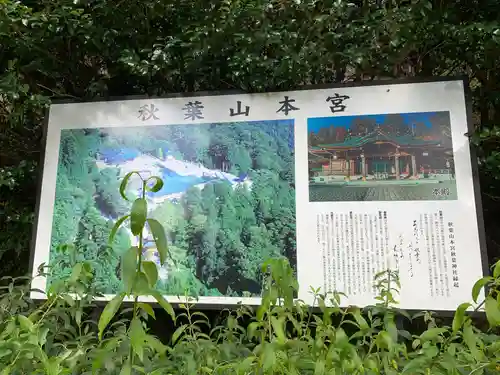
[(227, 204)]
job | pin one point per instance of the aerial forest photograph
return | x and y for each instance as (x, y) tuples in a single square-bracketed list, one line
[(227, 203), (382, 157)]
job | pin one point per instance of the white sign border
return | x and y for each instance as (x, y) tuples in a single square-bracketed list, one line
[(117, 113)]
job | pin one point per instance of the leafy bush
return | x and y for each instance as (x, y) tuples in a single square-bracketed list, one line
[(281, 336)]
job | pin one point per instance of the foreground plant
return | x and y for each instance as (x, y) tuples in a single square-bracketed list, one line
[(139, 276), (282, 336)]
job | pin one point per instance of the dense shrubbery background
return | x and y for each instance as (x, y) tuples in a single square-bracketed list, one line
[(65, 49)]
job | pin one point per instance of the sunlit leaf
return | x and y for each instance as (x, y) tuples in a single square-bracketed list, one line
[(109, 312), (25, 323), (458, 319), (476, 289), (492, 309), (432, 334)]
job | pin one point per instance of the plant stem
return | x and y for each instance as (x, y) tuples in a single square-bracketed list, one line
[(137, 272)]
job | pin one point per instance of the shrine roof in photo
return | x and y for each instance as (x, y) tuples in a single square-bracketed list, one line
[(379, 137)]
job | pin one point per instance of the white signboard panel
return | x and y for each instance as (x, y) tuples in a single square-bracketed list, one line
[(344, 181)]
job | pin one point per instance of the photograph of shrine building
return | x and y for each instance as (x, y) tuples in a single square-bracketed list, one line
[(388, 157)]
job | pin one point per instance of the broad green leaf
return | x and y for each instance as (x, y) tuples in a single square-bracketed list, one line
[(160, 238), (123, 185), (157, 185), (138, 216), (471, 341), (148, 309), (384, 340), (115, 228), (278, 328), (25, 323), (109, 312), (432, 334), (151, 272), (476, 289), (163, 303), (363, 324), (252, 329), (129, 268), (141, 285), (492, 309), (341, 339), (458, 319), (42, 335), (137, 336), (268, 358), (76, 272)]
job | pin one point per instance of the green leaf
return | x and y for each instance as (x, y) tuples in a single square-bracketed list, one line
[(5, 352), (156, 344), (148, 309), (496, 270), (126, 369), (156, 187), (363, 324), (319, 367), (25, 323), (458, 319), (160, 238), (384, 340), (252, 329), (137, 336), (178, 332), (492, 308), (141, 285), (151, 272), (478, 286), (138, 216), (471, 341), (432, 334), (245, 366), (268, 357), (109, 312), (115, 228), (123, 185), (129, 268), (163, 303), (278, 328), (76, 272)]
